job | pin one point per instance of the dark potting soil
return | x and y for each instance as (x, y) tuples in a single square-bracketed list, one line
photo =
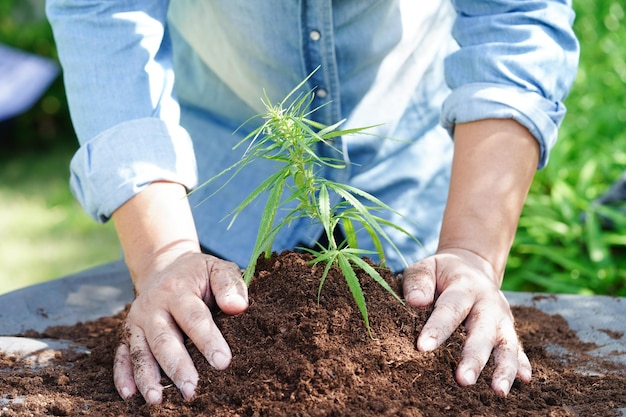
[(295, 357)]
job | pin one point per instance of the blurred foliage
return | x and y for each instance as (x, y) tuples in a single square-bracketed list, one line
[(44, 232), (564, 242)]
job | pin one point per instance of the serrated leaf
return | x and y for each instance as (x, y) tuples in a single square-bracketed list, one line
[(271, 183), (372, 272), (263, 241), (324, 211), (330, 261), (355, 288), (348, 229), (376, 241), (369, 219)]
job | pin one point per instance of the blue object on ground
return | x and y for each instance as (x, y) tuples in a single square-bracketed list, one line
[(24, 77)]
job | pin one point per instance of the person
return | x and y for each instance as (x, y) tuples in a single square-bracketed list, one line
[(156, 90)]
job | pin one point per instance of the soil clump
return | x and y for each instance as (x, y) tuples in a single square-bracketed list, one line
[(295, 356)]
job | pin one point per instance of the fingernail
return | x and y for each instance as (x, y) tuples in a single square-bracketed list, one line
[(414, 296), (188, 390), (470, 376), (428, 344), (153, 397), (125, 393), (220, 361), (504, 387)]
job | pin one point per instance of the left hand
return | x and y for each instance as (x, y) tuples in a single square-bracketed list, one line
[(465, 287)]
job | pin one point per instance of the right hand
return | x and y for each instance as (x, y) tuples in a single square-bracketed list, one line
[(174, 301), (466, 289)]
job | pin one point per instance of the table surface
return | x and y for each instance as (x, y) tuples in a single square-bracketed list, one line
[(105, 291)]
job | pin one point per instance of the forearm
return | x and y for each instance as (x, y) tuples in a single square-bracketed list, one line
[(516, 60), (493, 167), (155, 227)]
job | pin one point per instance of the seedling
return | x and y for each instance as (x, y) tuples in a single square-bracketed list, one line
[(289, 138)]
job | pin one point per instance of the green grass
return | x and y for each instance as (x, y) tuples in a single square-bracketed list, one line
[(44, 232)]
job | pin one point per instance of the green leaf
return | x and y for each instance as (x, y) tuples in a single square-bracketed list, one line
[(372, 272), (598, 250), (560, 258), (376, 241), (563, 284), (364, 212), (355, 288), (271, 183), (330, 260), (296, 88), (346, 132), (330, 128), (324, 212), (348, 229), (264, 237), (614, 214)]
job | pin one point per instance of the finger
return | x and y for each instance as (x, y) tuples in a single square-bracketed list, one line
[(507, 360), (168, 348), (480, 341), (194, 318), (228, 287), (419, 283), (450, 310), (123, 372), (525, 369), (145, 368)]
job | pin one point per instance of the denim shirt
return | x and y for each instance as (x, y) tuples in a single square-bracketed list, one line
[(157, 90)]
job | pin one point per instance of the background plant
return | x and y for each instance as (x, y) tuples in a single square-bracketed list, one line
[(289, 138), (555, 250), (44, 233)]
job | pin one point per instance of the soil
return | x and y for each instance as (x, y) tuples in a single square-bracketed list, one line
[(295, 357)]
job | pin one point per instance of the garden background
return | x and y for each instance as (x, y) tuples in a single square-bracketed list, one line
[(565, 243)]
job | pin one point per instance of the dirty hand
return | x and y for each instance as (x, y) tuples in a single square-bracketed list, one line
[(173, 303), (465, 287)]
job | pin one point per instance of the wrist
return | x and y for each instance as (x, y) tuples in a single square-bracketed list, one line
[(493, 167), (488, 260), (485, 234), (143, 268), (155, 227)]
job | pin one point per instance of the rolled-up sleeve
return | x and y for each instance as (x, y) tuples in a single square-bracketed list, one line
[(116, 59), (516, 59)]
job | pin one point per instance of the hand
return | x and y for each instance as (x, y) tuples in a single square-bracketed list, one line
[(465, 287), (174, 302)]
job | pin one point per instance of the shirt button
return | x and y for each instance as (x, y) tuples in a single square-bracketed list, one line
[(321, 93), (315, 35)]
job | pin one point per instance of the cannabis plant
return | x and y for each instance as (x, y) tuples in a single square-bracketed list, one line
[(288, 137)]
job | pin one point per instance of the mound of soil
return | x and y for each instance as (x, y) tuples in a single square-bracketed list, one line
[(295, 357)]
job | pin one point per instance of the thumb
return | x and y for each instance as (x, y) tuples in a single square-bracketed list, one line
[(420, 282)]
